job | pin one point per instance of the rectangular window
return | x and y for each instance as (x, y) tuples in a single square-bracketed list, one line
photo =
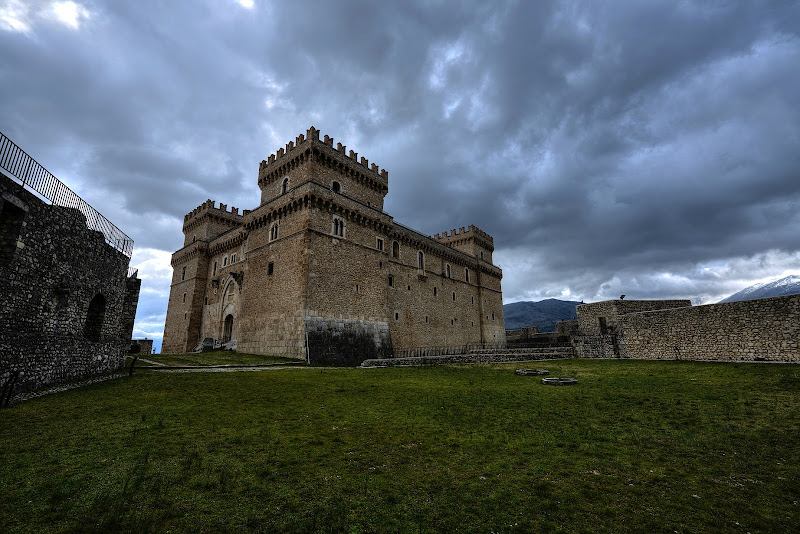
[(183, 274), (184, 297), (391, 281), (233, 258), (215, 269), (270, 268), (380, 244)]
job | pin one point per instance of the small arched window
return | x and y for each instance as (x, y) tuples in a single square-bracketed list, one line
[(395, 249), (233, 258), (285, 186), (337, 187), (273, 231), (466, 275), (224, 260), (447, 271), (420, 260)]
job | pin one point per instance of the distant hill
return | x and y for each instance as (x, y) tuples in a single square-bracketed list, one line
[(543, 314), (785, 286)]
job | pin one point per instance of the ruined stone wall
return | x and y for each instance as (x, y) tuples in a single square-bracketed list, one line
[(763, 329), (596, 317), (66, 302), (141, 347)]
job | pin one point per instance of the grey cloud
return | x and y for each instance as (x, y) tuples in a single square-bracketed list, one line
[(605, 145)]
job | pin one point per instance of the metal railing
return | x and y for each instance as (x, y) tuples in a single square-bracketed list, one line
[(23, 168)]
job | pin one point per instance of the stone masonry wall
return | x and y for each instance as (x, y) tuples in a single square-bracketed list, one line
[(763, 329), (66, 302)]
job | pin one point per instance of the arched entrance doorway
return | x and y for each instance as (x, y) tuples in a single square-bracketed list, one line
[(228, 329)]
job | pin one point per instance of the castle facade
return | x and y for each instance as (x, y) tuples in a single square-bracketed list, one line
[(318, 271)]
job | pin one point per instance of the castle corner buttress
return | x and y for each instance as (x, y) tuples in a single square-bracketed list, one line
[(319, 272)]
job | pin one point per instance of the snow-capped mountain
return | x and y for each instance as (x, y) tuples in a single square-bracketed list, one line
[(785, 286)]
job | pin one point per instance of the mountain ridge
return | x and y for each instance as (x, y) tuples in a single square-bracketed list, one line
[(543, 314), (788, 285)]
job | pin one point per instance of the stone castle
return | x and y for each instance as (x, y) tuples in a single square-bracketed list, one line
[(318, 271)]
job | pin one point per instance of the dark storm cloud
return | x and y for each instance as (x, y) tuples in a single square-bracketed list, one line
[(649, 148)]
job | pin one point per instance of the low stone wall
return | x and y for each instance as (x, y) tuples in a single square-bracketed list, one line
[(763, 329), (51, 360)]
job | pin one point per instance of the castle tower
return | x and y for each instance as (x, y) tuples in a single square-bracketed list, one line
[(309, 159)]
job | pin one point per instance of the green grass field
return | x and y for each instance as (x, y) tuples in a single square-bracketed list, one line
[(637, 446)]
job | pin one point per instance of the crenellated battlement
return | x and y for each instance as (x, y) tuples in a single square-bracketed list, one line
[(462, 234), (209, 206), (306, 141)]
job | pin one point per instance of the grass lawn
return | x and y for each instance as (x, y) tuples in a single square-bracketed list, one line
[(637, 446), (215, 357)]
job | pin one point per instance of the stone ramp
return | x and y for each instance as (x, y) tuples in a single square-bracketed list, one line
[(477, 356)]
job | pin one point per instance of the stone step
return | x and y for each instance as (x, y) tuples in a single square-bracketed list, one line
[(465, 358)]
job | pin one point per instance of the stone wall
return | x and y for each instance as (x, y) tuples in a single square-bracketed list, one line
[(141, 347), (602, 318), (762, 329), (66, 301)]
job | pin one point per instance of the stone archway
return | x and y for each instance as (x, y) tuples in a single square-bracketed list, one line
[(228, 313)]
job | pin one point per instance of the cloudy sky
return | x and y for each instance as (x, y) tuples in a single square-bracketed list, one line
[(646, 148)]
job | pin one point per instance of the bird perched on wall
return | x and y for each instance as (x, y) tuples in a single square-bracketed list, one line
[(622, 297)]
